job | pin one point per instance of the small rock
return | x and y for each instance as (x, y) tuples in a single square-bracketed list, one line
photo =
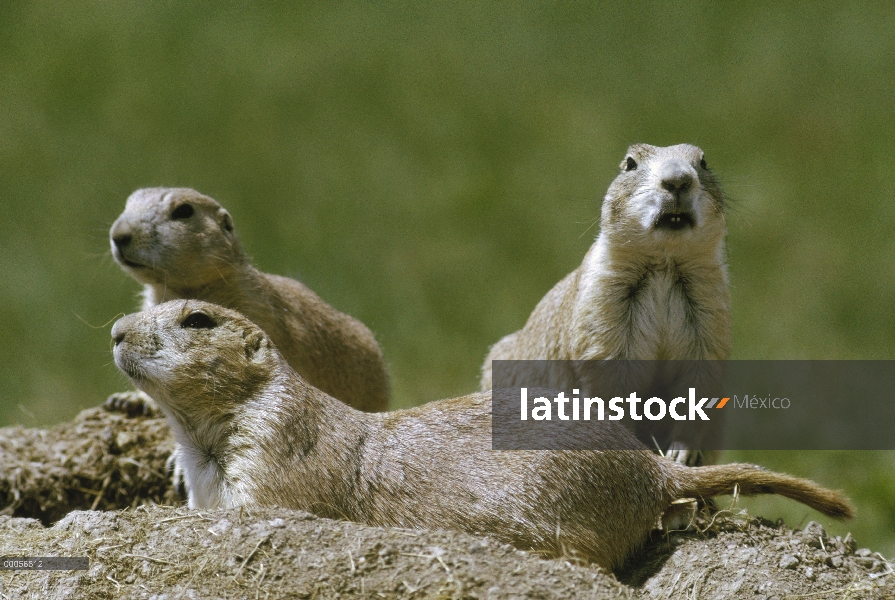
[(863, 552), (834, 561), (788, 561), (815, 537), (809, 574), (814, 530)]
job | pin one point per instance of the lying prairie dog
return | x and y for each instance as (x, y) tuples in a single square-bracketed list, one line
[(254, 433)]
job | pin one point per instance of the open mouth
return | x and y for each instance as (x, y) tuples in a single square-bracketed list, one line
[(675, 221)]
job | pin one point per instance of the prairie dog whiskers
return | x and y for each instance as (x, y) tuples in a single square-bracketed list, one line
[(264, 437)]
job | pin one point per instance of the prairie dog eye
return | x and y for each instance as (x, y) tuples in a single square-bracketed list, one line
[(184, 211), (630, 164), (703, 164), (198, 320)]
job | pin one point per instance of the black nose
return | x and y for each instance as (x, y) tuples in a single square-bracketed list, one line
[(677, 181), (118, 331), (123, 239)]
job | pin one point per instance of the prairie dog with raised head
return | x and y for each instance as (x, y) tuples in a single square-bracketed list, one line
[(182, 244), (654, 284), (254, 433)]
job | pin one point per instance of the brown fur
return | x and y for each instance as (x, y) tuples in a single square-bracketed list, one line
[(256, 434), (642, 292), (199, 256)]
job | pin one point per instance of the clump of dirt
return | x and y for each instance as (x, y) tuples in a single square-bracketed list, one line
[(733, 555), (109, 461), (101, 460)]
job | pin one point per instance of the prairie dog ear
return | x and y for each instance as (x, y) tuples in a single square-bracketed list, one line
[(225, 220), (257, 346)]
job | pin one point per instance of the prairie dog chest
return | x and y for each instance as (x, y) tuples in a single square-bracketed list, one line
[(652, 311), (663, 316)]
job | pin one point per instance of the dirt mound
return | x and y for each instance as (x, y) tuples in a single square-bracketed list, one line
[(101, 460), (175, 552), (108, 461)]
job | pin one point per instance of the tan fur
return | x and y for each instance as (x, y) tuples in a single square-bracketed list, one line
[(643, 292), (256, 434), (199, 256)]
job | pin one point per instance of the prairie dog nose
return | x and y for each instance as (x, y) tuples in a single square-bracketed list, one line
[(675, 176), (121, 327), (121, 234), (121, 240)]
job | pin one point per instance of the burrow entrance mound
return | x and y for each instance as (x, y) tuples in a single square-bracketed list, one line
[(97, 487)]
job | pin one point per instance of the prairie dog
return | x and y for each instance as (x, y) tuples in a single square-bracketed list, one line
[(653, 286), (182, 244), (254, 433)]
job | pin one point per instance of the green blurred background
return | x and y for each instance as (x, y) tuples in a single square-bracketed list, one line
[(434, 168)]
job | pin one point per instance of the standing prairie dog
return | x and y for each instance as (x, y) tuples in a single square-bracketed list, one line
[(182, 244), (254, 433), (654, 284)]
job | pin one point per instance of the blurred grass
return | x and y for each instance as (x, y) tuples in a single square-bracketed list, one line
[(434, 168)]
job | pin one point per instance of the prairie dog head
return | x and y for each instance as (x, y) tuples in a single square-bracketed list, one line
[(197, 359), (175, 237), (664, 199)]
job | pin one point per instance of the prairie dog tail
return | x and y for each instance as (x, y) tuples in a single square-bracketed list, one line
[(705, 482)]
